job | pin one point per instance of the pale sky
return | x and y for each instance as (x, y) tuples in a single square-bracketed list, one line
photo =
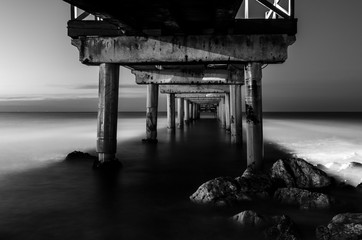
[(40, 70)]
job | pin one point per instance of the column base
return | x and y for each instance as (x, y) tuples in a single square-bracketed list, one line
[(149, 140), (107, 162), (180, 126)]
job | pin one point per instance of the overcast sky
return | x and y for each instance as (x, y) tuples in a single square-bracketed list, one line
[(40, 70)]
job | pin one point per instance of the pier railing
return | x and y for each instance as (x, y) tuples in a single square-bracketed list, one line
[(277, 9), (78, 14)]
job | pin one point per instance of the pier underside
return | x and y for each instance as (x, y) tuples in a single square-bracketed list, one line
[(193, 51)]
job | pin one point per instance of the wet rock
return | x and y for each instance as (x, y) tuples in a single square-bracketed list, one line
[(252, 220), (270, 227), (345, 226), (77, 155), (219, 191), (282, 175), (302, 198), (296, 172), (254, 184), (359, 188), (282, 229)]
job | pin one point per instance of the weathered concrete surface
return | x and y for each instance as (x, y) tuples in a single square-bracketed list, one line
[(151, 114), (194, 89), (128, 50), (171, 111), (198, 95), (236, 117), (180, 113), (254, 116), (344, 226), (227, 111), (107, 112), (186, 112), (222, 112), (186, 76)]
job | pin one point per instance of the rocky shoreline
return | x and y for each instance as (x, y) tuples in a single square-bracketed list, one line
[(292, 182)]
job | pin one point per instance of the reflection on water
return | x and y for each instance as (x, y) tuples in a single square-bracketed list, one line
[(53, 199)]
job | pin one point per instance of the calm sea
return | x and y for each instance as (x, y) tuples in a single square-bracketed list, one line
[(44, 197)]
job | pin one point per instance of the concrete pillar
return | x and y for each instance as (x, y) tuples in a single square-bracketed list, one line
[(254, 118), (195, 111), (107, 113), (191, 109), (151, 114), (227, 111), (222, 112), (180, 113), (236, 121), (186, 112), (171, 111)]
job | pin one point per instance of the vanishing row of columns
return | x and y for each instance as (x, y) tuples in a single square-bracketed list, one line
[(229, 112)]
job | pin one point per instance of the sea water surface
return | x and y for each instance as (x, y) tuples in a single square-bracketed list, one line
[(44, 197)]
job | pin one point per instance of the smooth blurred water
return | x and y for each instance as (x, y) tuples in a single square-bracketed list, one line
[(44, 197), (333, 140)]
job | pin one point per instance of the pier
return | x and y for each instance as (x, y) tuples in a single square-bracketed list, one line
[(196, 52)]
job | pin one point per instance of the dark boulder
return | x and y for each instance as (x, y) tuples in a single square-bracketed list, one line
[(304, 199), (270, 227), (359, 187), (79, 156), (219, 191), (252, 220), (254, 184), (345, 226), (296, 172)]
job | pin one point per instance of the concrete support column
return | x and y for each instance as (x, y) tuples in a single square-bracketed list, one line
[(254, 118), (151, 114), (186, 112), (236, 118), (227, 111), (171, 111), (191, 109), (180, 113), (195, 111), (107, 113), (222, 112)]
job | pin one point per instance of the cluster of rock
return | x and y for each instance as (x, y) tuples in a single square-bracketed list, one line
[(293, 182), (346, 226), (268, 227)]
